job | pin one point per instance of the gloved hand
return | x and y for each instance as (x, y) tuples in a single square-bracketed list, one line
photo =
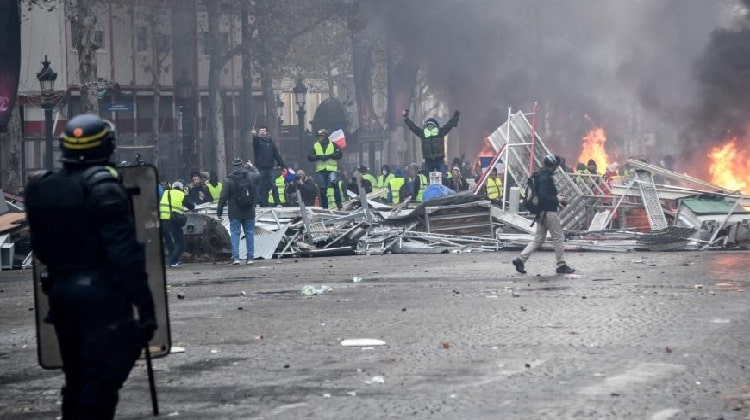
[(405, 114), (218, 214), (146, 324), (456, 114)]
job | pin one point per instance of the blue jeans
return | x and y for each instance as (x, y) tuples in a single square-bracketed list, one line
[(248, 225), (267, 182), (326, 178)]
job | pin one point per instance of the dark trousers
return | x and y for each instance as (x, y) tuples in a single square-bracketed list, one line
[(174, 240), (326, 179), (434, 165), (267, 182), (99, 344)]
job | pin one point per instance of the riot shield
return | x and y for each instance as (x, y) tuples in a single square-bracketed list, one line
[(141, 183)]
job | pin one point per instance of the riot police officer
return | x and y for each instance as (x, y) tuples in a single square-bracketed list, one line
[(83, 232)]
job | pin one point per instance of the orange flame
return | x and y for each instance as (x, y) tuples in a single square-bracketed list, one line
[(593, 148), (730, 167)]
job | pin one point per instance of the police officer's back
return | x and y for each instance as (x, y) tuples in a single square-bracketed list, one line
[(82, 230)]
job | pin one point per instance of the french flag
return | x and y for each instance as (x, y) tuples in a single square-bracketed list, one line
[(338, 138)]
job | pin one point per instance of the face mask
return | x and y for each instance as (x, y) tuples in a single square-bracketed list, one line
[(431, 132)]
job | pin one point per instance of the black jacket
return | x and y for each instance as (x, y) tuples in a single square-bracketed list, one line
[(266, 153), (307, 188), (227, 197), (432, 147), (544, 182)]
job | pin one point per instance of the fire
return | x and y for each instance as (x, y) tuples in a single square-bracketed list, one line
[(593, 148), (730, 167)]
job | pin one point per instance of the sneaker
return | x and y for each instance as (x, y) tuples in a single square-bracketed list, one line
[(519, 265), (235, 262), (175, 265), (250, 262), (564, 269)]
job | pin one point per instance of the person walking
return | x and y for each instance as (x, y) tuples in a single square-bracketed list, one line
[(547, 219), (82, 230), (433, 140), (174, 201), (266, 155), (238, 195), (326, 155)]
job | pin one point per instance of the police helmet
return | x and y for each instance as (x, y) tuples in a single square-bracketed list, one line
[(87, 139), (322, 132), (551, 161)]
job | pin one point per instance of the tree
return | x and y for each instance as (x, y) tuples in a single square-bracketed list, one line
[(82, 15)]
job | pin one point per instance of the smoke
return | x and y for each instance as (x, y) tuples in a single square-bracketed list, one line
[(628, 64)]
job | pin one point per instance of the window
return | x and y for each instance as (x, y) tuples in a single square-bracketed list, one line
[(141, 39), (75, 38)]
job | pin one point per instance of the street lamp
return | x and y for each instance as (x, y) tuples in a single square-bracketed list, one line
[(47, 78), (184, 97), (300, 96)]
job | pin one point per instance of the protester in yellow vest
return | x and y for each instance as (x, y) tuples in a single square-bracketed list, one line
[(172, 201), (395, 186), (366, 175), (214, 187), (385, 177), (494, 187), (325, 154), (280, 186)]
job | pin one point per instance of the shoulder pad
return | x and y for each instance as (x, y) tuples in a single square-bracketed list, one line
[(37, 175), (97, 174)]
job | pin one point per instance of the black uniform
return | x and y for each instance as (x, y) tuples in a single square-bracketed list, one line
[(82, 230)]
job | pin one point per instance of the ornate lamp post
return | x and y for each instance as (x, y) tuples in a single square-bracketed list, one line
[(300, 96), (184, 97), (47, 78)]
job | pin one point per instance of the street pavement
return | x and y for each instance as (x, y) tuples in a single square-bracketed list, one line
[(629, 336)]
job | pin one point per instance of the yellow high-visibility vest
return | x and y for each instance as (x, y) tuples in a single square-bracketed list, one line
[(215, 191), (494, 188), (176, 197), (422, 185), (396, 184), (280, 185), (330, 165)]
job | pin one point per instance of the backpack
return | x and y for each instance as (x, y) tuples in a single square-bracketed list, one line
[(531, 197), (243, 192)]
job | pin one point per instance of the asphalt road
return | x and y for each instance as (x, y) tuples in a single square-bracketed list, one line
[(634, 336)]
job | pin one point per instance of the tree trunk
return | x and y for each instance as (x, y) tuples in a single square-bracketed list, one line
[(246, 94), (10, 154), (215, 108), (84, 19)]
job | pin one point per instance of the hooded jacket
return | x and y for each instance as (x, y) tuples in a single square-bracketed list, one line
[(432, 146), (227, 197)]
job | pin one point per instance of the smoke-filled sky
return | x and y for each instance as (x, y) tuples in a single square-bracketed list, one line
[(633, 66)]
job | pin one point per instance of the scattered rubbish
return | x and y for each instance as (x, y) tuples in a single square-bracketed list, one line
[(180, 296), (176, 349), (258, 337), (286, 366), (359, 342), (637, 261), (242, 293), (215, 351), (698, 286), (377, 380), (173, 414), (239, 308), (573, 276), (720, 321), (352, 393), (310, 290), (446, 345), (668, 349), (357, 279), (326, 395)]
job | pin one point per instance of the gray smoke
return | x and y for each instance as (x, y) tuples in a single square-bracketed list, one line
[(628, 64)]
